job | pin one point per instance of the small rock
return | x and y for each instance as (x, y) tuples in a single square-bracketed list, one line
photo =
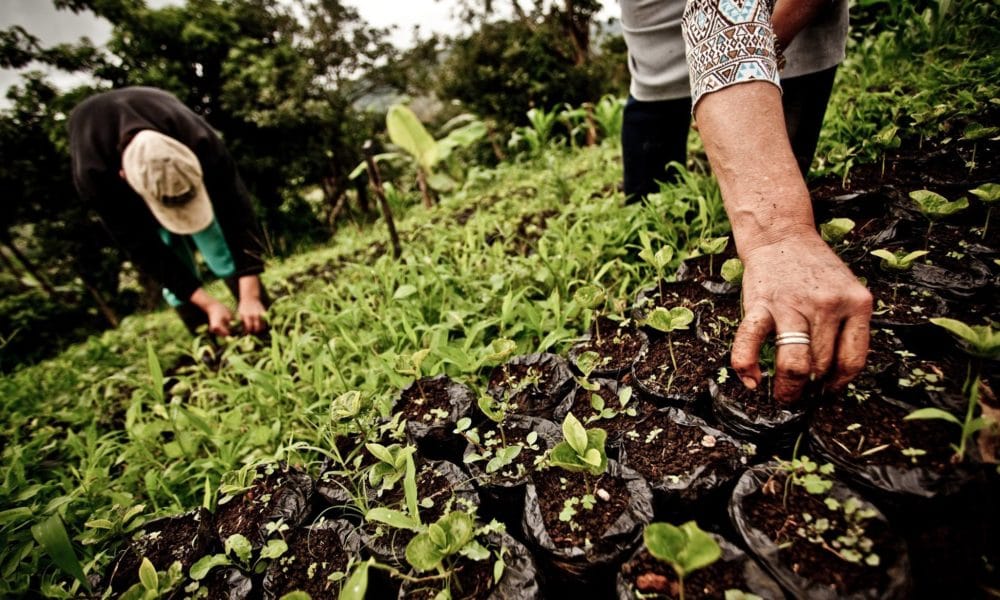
[(708, 441), (603, 494)]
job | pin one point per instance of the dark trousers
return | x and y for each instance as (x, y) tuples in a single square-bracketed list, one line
[(655, 133), (193, 317)]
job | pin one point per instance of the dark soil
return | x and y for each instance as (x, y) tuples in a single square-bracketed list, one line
[(426, 401), (521, 467), (860, 428), (184, 538), (718, 319), (433, 484), (313, 555), (274, 493), (582, 408), (707, 267), (676, 450), (756, 404), (655, 578), (555, 486), (535, 384), (669, 294), (473, 580), (617, 344), (697, 362), (902, 304), (779, 522)]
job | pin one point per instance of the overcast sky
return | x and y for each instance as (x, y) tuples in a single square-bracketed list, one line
[(40, 18)]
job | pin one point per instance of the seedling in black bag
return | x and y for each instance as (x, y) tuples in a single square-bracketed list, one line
[(686, 548), (980, 342), (668, 321), (581, 451)]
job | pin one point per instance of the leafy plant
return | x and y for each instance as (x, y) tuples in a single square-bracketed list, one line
[(669, 321), (659, 259), (539, 134), (835, 229), (899, 260), (582, 450), (980, 342), (238, 551), (935, 206), (713, 246), (732, 270), (686, 548), (154, 584), (989, 193), (588, 297)]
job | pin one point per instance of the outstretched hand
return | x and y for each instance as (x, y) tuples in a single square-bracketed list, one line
[(798, 284)]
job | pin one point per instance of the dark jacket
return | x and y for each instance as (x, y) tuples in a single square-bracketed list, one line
[(99, 129)]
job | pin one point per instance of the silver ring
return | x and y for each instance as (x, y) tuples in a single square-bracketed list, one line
[(792, 337)]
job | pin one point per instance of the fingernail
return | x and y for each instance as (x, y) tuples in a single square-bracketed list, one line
[(749, 382)]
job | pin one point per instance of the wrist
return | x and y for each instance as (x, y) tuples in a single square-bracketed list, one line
[(249, 287)]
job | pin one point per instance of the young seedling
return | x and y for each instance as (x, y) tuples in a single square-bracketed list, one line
[(395, 462), (154, 584), (935, 206), (711, 247), (588, 297), (238, 551), (990, 193), (669, 321), (834, 230), (659, 259), (980, 342), (582, 450), (686, 548), (732, 271), (899, 260)]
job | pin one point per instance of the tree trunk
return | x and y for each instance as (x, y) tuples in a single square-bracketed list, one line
[(591, 125), (109, 313), (376, 180), (10, 266), (578, 29), (28, 266), (426, 191)]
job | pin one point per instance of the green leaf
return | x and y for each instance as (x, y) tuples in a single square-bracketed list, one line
[(147, 575), (404, 291), (441, 182), (665, 542), (200, 569), (423, 553), (407, 132), (589, 296), (732, 270), (713, 245), (575, 434), (155, 372), (381, 452), (700, 550), (274, 549), (933, 204), (437, 535), (393, 518), (239, 545), (988, 192), (357, 585), (834, 230), (933, 413), (296, 595), (51, 535), (592, 457)]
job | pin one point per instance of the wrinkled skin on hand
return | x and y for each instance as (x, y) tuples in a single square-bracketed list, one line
[(798, 284), (252, 315)]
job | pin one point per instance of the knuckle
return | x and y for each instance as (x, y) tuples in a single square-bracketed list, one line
[(797, 369)]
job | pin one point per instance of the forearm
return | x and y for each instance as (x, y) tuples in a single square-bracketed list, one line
[(743, 131), (203, 299), (249, 286), (792, 16)]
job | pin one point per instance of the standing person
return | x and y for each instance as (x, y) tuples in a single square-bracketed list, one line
[(658, 112), (793, 285), (164, 184)]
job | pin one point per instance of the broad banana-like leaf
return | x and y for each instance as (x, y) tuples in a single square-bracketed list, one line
[(407, 132)]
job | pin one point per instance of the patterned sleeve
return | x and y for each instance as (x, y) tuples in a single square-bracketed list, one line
[(728, 42)]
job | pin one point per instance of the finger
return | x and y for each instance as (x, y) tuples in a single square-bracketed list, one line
[(745, 355), (252, 324), (852, 350), (220, 328), (824, 332), (793, 362), (793, 366)]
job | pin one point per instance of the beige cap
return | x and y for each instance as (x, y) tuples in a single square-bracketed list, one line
[(168, 176)]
